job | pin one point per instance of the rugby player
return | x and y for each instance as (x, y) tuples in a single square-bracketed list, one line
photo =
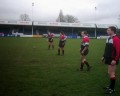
[(62, 40), (111, 57), (50, 40), (84, 51)]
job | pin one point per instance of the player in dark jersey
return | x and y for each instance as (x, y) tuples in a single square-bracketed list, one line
[(50, 40), (84, 50), (62, 40), (111, 57)]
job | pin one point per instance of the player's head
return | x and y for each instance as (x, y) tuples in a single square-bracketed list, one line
[(61, 33), (111, 30), (83, 33)]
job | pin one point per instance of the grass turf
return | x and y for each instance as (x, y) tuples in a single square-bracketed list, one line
[(27, 68)]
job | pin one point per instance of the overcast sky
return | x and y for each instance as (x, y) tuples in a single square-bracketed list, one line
[(107, 11)]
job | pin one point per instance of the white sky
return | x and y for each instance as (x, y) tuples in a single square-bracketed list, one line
[(48, 10)]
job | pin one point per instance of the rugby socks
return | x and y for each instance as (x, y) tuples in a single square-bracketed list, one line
[(86, 63), (52, 46), (58, 51), (49, 47), (81, 66), (62, 52), (112, 83)]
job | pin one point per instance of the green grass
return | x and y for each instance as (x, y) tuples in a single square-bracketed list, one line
[(29, 71)]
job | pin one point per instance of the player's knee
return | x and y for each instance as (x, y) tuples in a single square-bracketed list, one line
[(84, 60), (112, 74)]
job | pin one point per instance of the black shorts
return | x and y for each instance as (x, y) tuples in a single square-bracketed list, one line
[(50, 40), (85, 53), (109, 60), (61, 44)]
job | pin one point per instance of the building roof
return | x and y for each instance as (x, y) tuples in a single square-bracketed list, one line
[(56, 24)]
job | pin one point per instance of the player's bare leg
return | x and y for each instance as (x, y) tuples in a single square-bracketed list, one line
[(58, 50), (49, 45), (87, 64), (52, 45), (82, 62), (62, 51)]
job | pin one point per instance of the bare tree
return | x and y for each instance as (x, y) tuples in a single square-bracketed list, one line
[(60, 17), (66, 18), (71, 19), (24, 17)]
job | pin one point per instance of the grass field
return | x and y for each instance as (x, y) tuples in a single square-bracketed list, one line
[(27, 68)]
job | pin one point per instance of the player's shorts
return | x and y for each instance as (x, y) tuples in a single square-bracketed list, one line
[(50, 40), (85, 53), (109, 60), (61, 44)]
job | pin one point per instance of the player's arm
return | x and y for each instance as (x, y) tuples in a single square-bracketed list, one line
[(53, 35), (65, 38), (103, 57), (86, 47), (51, 39), (116, 44), (47, 36)]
